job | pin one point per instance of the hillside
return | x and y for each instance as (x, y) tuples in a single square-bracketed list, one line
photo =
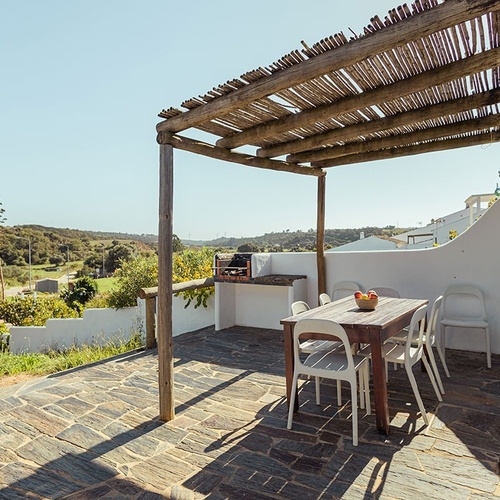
[(49, 243), (296, 240)]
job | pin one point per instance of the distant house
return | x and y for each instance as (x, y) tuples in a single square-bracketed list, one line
[(436, 232), (370, 243)]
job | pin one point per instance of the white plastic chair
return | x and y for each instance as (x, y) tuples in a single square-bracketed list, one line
[(324, 298), (429, 339), (463, 307), (384, 291), (343, 289), (310, 345), (333, 365), (409, 354)]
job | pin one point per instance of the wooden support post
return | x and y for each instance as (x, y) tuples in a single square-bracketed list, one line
[(165, 354), (320, 235), (151, 323)]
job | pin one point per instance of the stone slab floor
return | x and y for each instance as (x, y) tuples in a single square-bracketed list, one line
[(94, 432)]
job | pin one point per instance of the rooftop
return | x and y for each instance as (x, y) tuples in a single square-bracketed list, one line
[(94, 432)]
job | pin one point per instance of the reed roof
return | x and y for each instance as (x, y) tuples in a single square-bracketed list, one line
[(425, 78)]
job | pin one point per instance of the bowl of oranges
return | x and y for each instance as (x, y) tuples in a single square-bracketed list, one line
[(366, 301)]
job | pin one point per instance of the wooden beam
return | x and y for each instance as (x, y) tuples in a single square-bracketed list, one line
[(399, 140), (473, 140), (385, 93), (455, 106), (183, 286), (438, 18), (211, 151), (165, 252), (320, 236)]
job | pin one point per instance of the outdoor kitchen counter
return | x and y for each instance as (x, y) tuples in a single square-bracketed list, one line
[(262, 303), (269, 279)]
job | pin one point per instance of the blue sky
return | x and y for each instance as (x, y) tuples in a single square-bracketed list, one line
[(83, 82)]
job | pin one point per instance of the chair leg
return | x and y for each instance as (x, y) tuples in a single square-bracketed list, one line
[(292, 401), (435, 368), (317, 382), (414, 386), (488, 347), (354, 398), (431, 376), (441, 351), (339, 393), (366, 374), (361, 389)]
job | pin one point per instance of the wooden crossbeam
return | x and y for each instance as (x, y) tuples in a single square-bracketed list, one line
[(438, 18), (385, 154), (422, 81), (407, 118), (205, 149), (400, 140)]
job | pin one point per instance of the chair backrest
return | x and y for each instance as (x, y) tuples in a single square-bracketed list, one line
[(337, 332), (324, 298), (430, 332), (384, 291), (415, 337), (299, 307), (343, 289), (463, 301)]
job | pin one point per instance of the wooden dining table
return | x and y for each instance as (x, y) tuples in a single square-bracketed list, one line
[(366, 327)]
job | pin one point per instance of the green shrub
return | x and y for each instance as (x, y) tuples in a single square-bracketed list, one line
[(34, 311), (83, 290), (193, 264), (141, 272), (97, 302)]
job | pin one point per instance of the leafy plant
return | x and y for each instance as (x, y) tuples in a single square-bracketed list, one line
[(192, 264), (83, 290), (141, 272), (34, 311)]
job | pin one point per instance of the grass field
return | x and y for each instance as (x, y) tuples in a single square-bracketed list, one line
[(106, 284), (52, 362)]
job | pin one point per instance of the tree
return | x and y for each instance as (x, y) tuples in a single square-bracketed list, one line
[(83, 290), (177, 245), (2, 282), (193, 264), (140, 272)]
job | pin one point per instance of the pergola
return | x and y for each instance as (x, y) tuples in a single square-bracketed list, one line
[(425, 78)]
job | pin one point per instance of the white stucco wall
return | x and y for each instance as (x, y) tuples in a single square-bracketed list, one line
[(470, 258), (103, 325)]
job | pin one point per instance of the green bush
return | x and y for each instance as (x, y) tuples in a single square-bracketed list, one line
[(34, 311), (83, 290), (141, 272), (193, 264)]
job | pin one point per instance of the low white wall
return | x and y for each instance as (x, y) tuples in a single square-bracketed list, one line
[(96, 326), (102, 325)]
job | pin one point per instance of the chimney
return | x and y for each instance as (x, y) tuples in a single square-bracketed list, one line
[(362, 235)]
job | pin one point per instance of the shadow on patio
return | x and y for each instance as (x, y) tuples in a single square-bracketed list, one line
[(93, 432)]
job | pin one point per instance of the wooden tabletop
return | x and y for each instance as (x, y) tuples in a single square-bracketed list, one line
[(347, 313)]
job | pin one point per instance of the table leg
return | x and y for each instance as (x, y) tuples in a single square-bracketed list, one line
[(379, 384), (289, 365)]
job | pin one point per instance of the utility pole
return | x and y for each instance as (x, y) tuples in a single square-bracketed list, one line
[(29, 255), (67, 261)]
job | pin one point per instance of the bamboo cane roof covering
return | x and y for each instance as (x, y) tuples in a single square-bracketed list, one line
[(425, 78)]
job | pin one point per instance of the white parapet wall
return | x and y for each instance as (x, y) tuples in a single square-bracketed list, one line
[(104, 325)]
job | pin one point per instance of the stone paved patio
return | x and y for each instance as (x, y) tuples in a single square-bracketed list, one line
[(93, 432)]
